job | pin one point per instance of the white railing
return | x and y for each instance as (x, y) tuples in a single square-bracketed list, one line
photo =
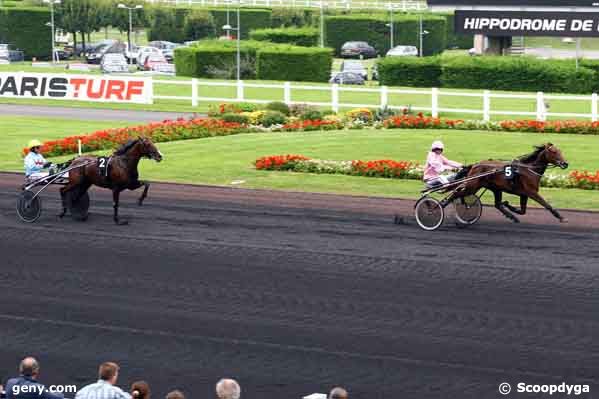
[(383, 93), (400, 5)]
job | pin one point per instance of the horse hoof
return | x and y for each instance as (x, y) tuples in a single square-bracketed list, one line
[(563, 220), (122, 222)]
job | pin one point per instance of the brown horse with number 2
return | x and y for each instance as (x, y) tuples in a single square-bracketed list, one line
[(521, 177), (122, 174)]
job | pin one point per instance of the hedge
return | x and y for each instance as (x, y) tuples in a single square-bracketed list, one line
[(25, 29), (291, 63), (251, 19), (207, 58), (517, 74), (168, 23), (410, 71), (307, 37), (374, 30)]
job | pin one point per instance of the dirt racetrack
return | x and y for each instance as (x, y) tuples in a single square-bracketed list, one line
[(294, 293)]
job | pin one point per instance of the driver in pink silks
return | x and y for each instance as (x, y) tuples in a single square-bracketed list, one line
[(436, 164)]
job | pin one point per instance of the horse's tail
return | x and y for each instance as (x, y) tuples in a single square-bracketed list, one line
[(463, 173)]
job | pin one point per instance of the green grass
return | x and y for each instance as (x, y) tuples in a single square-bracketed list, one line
[(17, 131), (270, 94), (224, 160)]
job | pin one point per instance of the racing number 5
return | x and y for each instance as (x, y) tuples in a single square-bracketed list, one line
[(509, 173)]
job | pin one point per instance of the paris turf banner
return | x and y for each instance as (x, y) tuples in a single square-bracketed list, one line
[(524, 23), (117, 89)]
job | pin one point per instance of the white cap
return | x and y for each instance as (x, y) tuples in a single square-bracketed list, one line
[(437, 145)]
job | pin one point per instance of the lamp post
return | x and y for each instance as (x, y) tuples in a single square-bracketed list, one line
[(321, 23), (391, 26), (421, 34), (52, 2), (229, 28), (130, 10)]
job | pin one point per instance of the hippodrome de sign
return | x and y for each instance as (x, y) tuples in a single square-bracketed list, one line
[(118, 89)]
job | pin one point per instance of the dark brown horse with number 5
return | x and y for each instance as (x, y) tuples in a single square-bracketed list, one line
[(520, 177), (116, 173)]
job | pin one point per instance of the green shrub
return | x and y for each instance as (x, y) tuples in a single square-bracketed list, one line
[(272, 118), (167, 23), (374, 30), (235, 118), (278, 106), (25, 29), (311, 114), (410, 71), (297, 36), (517, 74), (199, 25), (288, 17), (455, 40), (292, 63), (251, 19)]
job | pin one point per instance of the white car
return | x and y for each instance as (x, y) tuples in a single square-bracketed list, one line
[(114, 63), (403, 51)]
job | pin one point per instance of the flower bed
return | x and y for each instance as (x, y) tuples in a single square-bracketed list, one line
[(230, 119), (401, 170), (181, 129)]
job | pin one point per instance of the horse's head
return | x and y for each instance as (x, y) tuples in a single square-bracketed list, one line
[(554, 156), (148, 149)]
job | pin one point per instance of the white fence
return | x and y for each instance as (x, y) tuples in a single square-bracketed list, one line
[(399, 5), (383, 93)]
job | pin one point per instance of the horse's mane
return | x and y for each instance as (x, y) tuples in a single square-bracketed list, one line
[(122, 150), (529, 158)]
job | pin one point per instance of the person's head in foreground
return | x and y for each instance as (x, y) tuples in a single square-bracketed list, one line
[(338, 393), (228, 389)]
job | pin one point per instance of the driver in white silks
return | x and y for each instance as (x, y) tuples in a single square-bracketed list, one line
[(35, 162), (436, 164)]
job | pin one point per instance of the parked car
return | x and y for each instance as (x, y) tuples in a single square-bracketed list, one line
[(95, 55), (355, 67), (167, 48), (114, 63), (9, 54), (347, 78), (358, 49), (154, 62), (143, 53), (403, 51)]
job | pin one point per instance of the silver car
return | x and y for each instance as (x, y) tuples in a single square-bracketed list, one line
[(403, 51), (114, 63)]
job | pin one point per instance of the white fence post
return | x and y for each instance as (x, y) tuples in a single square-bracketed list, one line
[(594, 107), (384, 96), (486, 105), (194, 92), (240, 90), (287, 93), (335, 97), (540, 107), (435, 102)]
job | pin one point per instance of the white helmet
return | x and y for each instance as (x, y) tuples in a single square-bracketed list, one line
[(437, 145)]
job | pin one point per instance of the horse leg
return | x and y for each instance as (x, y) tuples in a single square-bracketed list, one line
[(523, 204), (144, 195), (63, 200), (537, 197), (115, 198), (501, 208)]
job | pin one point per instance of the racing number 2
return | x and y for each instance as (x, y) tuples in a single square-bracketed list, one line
[(102, 163)]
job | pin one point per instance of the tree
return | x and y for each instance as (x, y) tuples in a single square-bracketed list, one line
[(199, 25)]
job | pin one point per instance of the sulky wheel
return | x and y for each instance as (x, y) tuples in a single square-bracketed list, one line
[(429, 213), (468, 210), (29, 206), (80, 207)]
